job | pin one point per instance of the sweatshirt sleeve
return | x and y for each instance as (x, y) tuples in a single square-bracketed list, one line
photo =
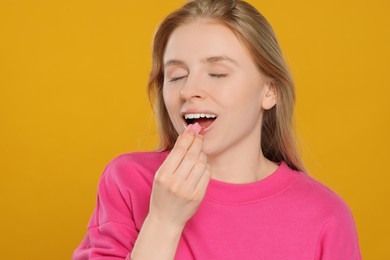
[(111, 230), (338, 239)]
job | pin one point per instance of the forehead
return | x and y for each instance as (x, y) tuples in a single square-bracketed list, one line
[(204, 38)]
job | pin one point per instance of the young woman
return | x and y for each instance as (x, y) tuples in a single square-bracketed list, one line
[(228, 182)]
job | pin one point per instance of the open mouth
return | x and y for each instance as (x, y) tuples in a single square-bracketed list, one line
[(204, 120)]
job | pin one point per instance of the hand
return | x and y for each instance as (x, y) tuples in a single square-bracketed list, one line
[(181, 182)]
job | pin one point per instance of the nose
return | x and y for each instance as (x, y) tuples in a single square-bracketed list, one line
[(192, 89)]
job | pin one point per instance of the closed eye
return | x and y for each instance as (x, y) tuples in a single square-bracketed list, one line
[(174, 79), (216, 75)]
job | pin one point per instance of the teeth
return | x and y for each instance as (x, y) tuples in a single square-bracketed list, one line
[(196, 116)]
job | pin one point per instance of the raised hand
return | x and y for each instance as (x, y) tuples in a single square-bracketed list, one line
[(181, 182)]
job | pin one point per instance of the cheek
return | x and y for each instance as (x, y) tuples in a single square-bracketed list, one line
[(171, 101), (246, 102), (244, 95), (167, 97), (164, 93)]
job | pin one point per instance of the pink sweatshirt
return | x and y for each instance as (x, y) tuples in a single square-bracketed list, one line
[(287, 215)]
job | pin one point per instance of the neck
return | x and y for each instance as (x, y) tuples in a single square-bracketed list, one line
[(243, 163)]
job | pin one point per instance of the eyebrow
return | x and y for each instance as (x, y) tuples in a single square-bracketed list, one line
[(173, 62), (214, 59), (211, 59)]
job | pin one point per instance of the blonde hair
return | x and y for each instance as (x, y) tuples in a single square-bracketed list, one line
[(277, 136)]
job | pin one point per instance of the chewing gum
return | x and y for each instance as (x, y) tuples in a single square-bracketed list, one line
[(195, 126)]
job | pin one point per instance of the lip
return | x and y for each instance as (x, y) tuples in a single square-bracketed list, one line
[(196, 111)]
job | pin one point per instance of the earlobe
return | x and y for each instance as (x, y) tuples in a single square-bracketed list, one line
[(269, 99)]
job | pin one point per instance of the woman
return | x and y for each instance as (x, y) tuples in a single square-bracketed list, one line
[(228, 183)]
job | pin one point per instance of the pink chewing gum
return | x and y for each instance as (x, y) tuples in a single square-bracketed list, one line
[(195, 126)]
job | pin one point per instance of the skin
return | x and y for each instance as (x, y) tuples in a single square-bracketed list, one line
[(207, 69)]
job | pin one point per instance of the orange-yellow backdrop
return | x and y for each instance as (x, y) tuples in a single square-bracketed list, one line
[(72, 96)]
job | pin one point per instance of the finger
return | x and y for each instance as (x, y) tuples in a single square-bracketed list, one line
[(197, 171), (203, 183), (178, 152), (189, 160)]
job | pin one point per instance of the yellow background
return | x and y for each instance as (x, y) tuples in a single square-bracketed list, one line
[(72, 97)]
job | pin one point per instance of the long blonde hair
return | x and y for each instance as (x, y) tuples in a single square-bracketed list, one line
[(277, 136)]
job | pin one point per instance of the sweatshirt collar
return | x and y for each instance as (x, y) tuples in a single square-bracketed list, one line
[(229, 193)]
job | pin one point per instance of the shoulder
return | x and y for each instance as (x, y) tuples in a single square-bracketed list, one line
[(138, 159), (316, 207), (133, 167), (332, 218), (318, 199)]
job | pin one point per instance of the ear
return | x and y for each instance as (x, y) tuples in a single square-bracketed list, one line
[(270, 96)]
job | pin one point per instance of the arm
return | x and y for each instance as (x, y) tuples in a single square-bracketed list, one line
[(111, 229), (179, 187), (157, 240)]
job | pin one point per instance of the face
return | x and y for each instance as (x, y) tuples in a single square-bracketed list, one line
[(210, 78)]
